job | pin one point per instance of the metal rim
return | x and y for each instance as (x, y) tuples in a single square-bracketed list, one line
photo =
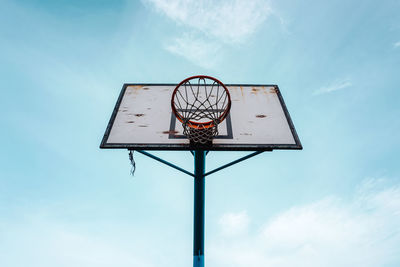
[(201, 125)]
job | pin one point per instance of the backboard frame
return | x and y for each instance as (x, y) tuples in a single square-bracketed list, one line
[(188, 147)]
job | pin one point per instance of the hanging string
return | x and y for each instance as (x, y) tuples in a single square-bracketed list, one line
[(133, 163)]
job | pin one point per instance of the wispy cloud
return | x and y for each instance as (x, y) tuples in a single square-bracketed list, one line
[(50, 243), (329, 232), (234, 223), (338, 85), (227, 20), (211, 24), (197, 50), (396, 45)]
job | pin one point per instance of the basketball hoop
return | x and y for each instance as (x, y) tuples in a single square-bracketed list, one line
[(258, 121), (200, 103)]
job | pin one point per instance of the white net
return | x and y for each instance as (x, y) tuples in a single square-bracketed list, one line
[(200, 135)]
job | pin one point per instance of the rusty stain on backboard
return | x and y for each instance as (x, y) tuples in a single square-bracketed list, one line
[(261, 116), (170, 132), (273, 90)]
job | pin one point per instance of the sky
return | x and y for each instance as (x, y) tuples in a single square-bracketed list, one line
[(64, 202)]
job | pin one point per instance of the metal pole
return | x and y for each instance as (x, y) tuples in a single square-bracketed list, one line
[(199, 188)]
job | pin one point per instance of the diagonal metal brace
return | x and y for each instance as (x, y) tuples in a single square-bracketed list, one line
[(234, 162), (165, 162)]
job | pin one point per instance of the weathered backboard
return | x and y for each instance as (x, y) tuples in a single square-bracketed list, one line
[(143, 120)]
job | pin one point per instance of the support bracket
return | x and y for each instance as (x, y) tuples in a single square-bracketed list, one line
[(165, 162), (233, 162), (207, 173)]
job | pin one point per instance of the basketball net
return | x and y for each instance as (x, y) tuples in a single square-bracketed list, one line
[(200, 103)]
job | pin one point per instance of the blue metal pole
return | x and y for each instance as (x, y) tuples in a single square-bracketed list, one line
[(199, 188)]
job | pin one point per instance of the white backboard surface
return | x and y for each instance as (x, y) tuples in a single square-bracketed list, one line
[(143, 120)]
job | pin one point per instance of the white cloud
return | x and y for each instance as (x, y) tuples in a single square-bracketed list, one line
[(211, 24), (234, 223), (397, 44), (333, 87), (227, 20), (197, 50), (330, 232), (45, 243)]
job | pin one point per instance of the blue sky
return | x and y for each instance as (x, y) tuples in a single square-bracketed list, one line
[(65, 202)]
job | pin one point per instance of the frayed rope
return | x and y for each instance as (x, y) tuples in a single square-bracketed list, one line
[(133, 163)]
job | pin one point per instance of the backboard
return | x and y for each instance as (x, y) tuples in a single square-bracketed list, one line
[(143, 120)]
